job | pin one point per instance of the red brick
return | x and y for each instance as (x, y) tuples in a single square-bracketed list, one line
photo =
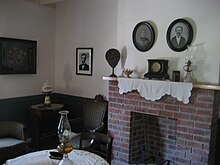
[(192, 123), (180, 115), (185, 123), (201, 139), (145, 104), (193, 157), (194, 144), (166, 114), (113, 121), (167, 100), (126, 129), (123, 145), (115, 94), (185, 136), (182, 161), (187, 110), (201, 91), (112, 110), (132, 102), (116, 127), (113, 88), (206, 98), (204, 112), (196, 118), (126, 113), (157, 105), (151, 111), (171, 107), (116, 105), (182, 129), (201, 105), (196, 131), (202, 126), (200, 152), (113, 83)]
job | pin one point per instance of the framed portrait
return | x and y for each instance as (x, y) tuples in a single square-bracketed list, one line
[(143, 36), (179, 35), (84, 60), (17, 56)]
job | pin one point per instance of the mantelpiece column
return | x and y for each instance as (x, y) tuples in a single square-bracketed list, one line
[(196, 123)]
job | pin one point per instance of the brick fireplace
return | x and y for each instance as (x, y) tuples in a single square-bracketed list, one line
[(191, 134)]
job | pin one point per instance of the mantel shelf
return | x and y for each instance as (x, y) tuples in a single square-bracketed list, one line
[(195, 84)]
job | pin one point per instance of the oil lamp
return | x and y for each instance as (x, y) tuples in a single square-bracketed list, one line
[(190, 64), (64, 134), (47, 90)]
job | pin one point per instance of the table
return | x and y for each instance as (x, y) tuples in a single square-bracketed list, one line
[(52, 106), (45, 119), (79, 157)]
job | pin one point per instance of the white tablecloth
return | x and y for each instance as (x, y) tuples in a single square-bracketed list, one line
[(79, 157), (155, 89)]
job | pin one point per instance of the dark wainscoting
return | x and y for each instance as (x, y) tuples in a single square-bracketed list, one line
[(16, 109)]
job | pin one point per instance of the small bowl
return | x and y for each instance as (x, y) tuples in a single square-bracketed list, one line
[(127, 73)]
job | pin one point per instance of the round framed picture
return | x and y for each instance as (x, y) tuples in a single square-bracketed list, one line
[(179, 35), (143, 36)]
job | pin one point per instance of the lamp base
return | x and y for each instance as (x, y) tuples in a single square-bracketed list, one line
[(47, 100), (188, 77)]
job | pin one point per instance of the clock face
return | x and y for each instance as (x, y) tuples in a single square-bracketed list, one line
[(156, 66)]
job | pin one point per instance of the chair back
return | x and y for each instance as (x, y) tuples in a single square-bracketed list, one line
[(101, 146), (13, 129), (94, 112), (12, 139)]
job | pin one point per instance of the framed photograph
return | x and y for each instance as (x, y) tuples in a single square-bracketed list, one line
[(143, 36), (84, 60), (179, 35), (17, 56)]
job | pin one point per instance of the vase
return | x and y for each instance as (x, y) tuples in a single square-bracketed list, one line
[(64, 134)]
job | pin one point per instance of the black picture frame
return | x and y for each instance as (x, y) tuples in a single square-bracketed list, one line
[(84, 67), (183, 28), (17, 56), (143, 36)]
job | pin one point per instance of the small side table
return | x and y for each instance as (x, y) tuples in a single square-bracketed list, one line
[(41, 107), (45, 120)]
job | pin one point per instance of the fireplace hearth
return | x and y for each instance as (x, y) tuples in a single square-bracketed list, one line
[(195, 124), (152, 137)]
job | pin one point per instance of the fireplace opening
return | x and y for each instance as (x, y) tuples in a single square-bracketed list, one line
[(153, 139)]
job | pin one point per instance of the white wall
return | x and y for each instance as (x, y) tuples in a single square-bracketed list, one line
[(202, 14), (103, 24), (84, 24), (25, 20)]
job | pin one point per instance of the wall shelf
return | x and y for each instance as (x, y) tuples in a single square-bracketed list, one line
[(195, 84)]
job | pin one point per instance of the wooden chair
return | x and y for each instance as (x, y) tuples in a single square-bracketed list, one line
[(101, 146), (93, 116)]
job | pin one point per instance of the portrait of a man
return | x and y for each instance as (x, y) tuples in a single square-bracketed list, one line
[(178, 40), (84, 59), (83, 65), (179, 35)]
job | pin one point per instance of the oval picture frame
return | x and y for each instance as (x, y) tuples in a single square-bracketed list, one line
[(143, 36), (179, 35)]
